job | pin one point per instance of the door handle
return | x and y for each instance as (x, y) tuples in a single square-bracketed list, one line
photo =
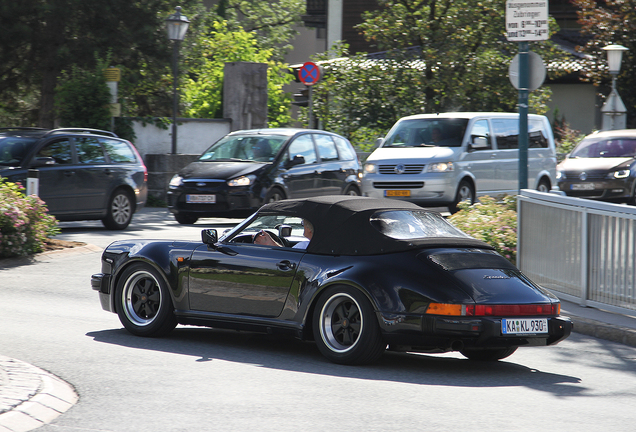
[(286, 265)]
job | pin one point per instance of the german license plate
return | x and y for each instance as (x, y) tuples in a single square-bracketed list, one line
[(201, 199), (397, 193), (582, 186), (517, 326)]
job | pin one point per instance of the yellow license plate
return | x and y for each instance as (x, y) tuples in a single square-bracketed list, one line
[(397, 193)]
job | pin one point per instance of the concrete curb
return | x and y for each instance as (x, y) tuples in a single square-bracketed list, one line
[(31, 397), (602, 330)]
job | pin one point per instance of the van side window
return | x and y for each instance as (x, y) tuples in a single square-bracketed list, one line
[(506, 133), (536, 136), (303, 146), (480, 136)]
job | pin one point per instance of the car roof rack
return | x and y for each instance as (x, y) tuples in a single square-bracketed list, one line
[(83, 130)]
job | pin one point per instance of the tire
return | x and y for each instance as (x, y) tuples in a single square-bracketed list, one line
[(488, 354), (465, 192), (143, 302), (185, 219), (345, 327), (120, 211), (352, 191), (544, 186), (274, 195)]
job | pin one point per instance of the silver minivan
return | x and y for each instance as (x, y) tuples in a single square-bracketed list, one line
[(438, 160)]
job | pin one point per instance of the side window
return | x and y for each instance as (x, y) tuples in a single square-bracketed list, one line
[(506, 133), (89, 151), (344, 149), (480, 135), (536, 137), (58, 150), (326, 148), (119, 151), (303, 146)]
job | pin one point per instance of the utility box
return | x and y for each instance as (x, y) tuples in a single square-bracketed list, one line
[(245, 95)]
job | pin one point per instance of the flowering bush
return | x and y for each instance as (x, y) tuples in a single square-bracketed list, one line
[(492, 221), (24, 221)]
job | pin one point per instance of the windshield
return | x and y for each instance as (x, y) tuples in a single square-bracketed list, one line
[(605, 148), (433, 132), (404, 225), (256, 148), (13, 150)]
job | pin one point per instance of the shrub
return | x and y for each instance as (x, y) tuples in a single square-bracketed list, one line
[(492, 221), (24, 221)]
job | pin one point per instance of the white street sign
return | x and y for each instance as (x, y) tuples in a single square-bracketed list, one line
[(526, 20)]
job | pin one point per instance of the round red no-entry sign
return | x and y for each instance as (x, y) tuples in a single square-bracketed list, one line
[(309, 73)]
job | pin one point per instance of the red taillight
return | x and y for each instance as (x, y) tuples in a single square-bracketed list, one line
[(513, 310)]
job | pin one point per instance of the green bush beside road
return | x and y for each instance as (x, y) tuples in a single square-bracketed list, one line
[(25, 223)]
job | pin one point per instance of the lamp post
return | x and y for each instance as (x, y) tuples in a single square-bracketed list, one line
[(177, 26), (614, 111)]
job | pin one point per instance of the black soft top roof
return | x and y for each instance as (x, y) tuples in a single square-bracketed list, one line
[(342, 225)]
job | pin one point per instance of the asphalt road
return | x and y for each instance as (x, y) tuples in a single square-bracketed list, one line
[(211, 380)]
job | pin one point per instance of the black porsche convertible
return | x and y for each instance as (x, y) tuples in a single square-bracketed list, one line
[(377, 274)]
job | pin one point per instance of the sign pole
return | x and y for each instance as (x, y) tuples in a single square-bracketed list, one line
[(310, 103), (523, 115)]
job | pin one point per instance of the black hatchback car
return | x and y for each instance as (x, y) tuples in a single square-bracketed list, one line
[(245, 169), (84, 174), (601, 167)]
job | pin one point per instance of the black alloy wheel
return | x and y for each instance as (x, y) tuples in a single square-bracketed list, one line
[(345, 328), (465, 193), (488, 354), (120, 211), (143, 302)]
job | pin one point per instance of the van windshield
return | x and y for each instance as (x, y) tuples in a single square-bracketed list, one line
[(433, 132)]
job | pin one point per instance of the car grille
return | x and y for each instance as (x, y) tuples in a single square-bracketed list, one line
[(590, 175), (398, 185), (408, 169)]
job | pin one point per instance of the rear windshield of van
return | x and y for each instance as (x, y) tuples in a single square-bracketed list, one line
[(435, 132)]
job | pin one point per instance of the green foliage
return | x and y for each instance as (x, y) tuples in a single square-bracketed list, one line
[(610, 22), (24, 221), (492, 221), (202, 92), (82, 98), (565, 137)]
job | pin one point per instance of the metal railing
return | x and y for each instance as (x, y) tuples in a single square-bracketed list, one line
[(582, 250)]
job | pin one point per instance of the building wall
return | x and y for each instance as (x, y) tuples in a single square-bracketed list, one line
[(578, 104)]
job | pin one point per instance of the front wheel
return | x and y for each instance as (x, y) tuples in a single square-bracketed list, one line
[(143, 302), (274, 195), (352, 191), (185, 219), (119, 212), (345, 328), (465, 193), (488, 354), (544, 186)]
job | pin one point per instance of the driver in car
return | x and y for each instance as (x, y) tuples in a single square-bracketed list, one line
[(263, 237)]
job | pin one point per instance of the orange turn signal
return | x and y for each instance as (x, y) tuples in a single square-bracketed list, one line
[(444, 309)]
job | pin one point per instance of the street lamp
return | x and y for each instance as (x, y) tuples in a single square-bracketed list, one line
[(614, 111), (177, 26)]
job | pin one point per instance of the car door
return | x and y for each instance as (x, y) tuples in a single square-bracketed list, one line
[(57, 179), (480, 159), (302, 180), (332, 176), (507, 137), (242, 279), (94, 176)]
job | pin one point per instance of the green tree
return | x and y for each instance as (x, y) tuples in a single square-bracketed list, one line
[(202, 92), (610, 22), (440, 55)]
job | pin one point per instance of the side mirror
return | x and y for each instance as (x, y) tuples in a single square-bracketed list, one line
[(284, 230), (209, 236), (297, 160), (479, 143), (379, 142), (43, 161)]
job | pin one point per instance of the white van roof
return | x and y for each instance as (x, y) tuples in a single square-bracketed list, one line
[(467, 115)]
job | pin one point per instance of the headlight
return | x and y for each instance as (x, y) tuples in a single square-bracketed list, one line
[(440, 167), (560, 175), (176, 181), (370, 168), (620, 174), (242, 181)]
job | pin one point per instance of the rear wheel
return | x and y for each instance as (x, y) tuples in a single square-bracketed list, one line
[(488, 354), (345, 328), (120, 211), (143, 302), (185, 219), (465, 193)]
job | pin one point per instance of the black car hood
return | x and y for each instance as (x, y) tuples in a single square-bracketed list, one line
[(595, 164), (219, 170)]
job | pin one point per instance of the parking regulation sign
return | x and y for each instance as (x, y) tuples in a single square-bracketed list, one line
[(309, 73), (526, 20)]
